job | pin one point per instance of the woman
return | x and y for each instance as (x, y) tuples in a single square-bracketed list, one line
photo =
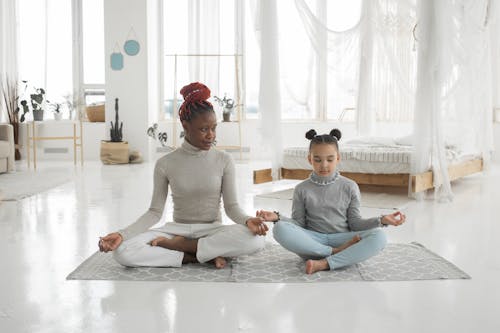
[(198, 176)]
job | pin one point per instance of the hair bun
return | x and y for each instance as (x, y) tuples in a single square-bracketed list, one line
[(310, 134), (336, 133), (195, 92)]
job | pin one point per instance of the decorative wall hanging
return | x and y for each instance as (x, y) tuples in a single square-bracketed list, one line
[(116, 59), (131, 45)]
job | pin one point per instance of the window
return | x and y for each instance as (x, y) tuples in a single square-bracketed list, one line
[(200, 45), (45, 47), (92, 49), (298, 66), (46, 58)]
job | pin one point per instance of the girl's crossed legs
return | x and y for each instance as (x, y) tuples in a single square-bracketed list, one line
[(329, 251)]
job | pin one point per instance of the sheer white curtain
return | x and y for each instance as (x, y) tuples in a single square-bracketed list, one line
[(453, 105), (8, 39), (45, 46), (371, 65), (428, 140), (269, 88), (204, 38), (494, 30), (8, 47), (334, 54), (393, 58)]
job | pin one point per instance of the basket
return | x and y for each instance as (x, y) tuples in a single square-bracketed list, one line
[(114, 152), (95, 113)]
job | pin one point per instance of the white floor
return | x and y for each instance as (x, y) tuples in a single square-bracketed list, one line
[(44, 237)]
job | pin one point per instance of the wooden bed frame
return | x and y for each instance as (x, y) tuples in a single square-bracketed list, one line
[(419, 182)]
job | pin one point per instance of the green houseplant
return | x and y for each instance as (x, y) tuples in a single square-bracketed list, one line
[(37, 103)]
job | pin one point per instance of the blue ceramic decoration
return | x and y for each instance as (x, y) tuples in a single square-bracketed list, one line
[(116, 61), (131, 47)]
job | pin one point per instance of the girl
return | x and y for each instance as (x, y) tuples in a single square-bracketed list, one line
[(326, 228), (198, 176)]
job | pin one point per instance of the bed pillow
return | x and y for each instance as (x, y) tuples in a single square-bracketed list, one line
[(371, 141), (406, 140)]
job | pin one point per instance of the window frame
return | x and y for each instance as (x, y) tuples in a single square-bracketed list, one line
[(81, 89)]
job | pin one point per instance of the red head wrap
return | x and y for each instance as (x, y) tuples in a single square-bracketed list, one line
[(195, 93)]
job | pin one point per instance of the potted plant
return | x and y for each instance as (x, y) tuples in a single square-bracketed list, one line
[(37, 103), (56, 109), (115, 151), (227, 105), (37, 100)]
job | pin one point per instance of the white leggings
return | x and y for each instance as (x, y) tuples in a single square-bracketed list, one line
[(214, 240)]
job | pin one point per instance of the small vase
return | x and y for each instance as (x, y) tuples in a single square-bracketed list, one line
[(57, 115), (226, 116)]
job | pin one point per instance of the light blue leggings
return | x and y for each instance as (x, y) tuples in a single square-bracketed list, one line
[(315, 245)]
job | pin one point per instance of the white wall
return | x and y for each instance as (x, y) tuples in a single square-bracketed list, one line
[(130, 84), (496, 142)]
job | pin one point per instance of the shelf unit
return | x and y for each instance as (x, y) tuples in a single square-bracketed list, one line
[(32, 137)]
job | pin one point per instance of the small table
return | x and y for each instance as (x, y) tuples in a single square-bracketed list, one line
[(32, 138)]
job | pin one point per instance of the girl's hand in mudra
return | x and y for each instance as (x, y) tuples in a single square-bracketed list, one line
[(257, 226), (395, 219)]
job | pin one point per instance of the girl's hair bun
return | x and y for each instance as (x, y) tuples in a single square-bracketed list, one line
[(195, 92), (311, 134), (336, 133)]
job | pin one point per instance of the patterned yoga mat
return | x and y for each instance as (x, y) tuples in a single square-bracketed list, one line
[(397, 262)]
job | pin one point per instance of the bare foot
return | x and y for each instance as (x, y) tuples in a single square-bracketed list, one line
[(178, 243), (344, 246), (167, 243), (157, 240), (313, 266), (220, 262)]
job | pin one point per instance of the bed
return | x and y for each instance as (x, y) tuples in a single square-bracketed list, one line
[(377, 161)]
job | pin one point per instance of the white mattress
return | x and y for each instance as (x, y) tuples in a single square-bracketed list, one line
[(365, 158)]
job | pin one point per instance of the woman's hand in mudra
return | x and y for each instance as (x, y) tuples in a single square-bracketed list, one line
[(257, 226), (110, 242)]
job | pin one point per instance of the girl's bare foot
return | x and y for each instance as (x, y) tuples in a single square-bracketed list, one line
[(220, 262), (313, 266), (344, 246)]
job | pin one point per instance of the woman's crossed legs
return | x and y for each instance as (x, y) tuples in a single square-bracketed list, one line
[(175, 244)]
